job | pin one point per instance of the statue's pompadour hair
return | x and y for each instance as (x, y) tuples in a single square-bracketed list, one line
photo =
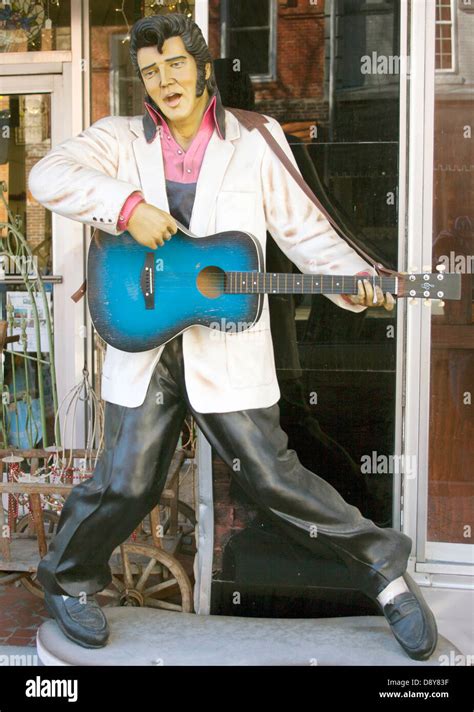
[(154, 30)]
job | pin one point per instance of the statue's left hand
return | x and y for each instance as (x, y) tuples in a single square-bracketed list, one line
[(365, 296)]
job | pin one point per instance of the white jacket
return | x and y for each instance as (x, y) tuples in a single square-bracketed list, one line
[(242, 185)]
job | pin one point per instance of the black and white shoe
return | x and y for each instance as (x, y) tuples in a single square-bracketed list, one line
[(83, 623), (412, 622)]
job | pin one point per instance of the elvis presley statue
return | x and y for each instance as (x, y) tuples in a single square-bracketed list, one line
[(188, 158)]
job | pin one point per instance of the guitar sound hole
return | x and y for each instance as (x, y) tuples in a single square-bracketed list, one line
[(211, 281)]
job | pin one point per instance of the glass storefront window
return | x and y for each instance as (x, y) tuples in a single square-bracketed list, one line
[(451, 453), (25, 137), (335, 91), (35, 25)]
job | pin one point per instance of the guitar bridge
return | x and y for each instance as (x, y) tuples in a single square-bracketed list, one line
[(147, 280)]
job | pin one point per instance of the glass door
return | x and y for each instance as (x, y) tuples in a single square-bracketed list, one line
[(329, 72), (34, 118), (450, 512), (439, 414)]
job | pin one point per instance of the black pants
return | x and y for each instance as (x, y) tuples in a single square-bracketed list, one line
[(130, 474)]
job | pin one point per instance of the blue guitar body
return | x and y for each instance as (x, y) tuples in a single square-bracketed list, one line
[(140, 298)]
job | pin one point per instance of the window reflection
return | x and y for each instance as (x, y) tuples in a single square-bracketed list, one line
[(25, 137), (249, 31), (451, 454), (35, 25), (444, 35)]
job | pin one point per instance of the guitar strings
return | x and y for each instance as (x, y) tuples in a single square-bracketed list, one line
[(168, 280)]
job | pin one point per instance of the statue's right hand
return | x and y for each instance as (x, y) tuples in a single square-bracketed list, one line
[(151, 226)]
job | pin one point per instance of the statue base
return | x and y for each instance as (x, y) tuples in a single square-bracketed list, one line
[(146, 636)]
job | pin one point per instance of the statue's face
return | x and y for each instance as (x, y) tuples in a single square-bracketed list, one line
[(170, 78)]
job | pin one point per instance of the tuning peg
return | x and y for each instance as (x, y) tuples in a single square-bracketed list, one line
[(413, 269), (440, 267), (426, 268), (441, 303), (413, 301), (427, 302)]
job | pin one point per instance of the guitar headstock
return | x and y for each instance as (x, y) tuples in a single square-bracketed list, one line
[(430, 285)]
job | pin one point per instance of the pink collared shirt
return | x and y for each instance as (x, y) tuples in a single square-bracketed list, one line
[(179, 165)]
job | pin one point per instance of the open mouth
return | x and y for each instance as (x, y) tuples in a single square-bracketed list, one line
[(173, 100)]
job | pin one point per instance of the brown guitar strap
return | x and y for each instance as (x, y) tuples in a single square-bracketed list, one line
[(251, 120), (79, 293)]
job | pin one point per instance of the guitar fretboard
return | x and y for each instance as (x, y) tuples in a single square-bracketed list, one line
[(281, 283)]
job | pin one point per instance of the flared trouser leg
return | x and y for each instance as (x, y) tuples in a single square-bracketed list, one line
[(310, 510), (129, 477)]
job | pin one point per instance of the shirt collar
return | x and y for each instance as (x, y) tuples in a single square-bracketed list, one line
[(153, 115)]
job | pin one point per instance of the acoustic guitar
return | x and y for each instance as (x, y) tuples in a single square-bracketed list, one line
[(141, 298)]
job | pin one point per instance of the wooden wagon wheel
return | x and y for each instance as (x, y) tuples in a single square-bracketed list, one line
[(26, 525), (189, 515), (50, 521), (187, 526), (9, 577), (150, 576)]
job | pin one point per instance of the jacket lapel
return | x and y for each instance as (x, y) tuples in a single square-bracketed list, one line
[(149, 159), (216, 159)]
